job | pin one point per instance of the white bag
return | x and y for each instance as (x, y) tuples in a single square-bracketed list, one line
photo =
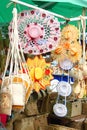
[(20, 89)]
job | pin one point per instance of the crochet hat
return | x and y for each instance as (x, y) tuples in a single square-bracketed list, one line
[(38, 32)]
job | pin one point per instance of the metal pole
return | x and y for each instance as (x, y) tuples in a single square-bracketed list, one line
[(34, 7)]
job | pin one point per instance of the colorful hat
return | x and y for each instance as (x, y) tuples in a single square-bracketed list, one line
[(40, 73), (38, 32)]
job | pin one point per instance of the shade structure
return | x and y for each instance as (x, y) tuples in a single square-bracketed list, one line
[(66, 8)]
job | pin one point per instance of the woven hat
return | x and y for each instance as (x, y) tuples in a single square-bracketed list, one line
[(38, 32), (59, 53), (66, 64), (68, 50), (75, 52), (70, 32)]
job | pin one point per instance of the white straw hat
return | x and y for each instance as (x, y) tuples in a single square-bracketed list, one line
[(64, 88), (60, 109)]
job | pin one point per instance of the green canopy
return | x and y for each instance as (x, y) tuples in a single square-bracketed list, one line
[(67, 8), (82, 3)]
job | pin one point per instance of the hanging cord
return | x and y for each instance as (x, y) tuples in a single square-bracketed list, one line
[(7, 64), (19, 57), (58, 98), (34, 7), (79, 26), (83, 22)]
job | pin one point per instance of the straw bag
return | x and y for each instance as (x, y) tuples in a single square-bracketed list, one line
[(5, 103), (5, 100), (17, 82)]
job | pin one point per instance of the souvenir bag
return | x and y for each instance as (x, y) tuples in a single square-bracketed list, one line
[(19, 86), (23, 88), (38, 32), (5, 101), (5, 95)]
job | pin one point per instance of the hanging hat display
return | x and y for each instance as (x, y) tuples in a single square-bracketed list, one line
[(59, 53), (64, 88), (75, 52), (60, 109), (67, 47), (38, 32), (70, 32), (66, 64), (68, 50), (40, 72)]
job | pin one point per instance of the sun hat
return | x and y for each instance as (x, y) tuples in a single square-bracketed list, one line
[(38, 31), (70, 32), (75, 52), (68, 50), (59, 53), (53, 85), (60, 109), (64, 88), (66, 64)]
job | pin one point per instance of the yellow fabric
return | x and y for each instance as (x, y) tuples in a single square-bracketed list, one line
[(40, 72)]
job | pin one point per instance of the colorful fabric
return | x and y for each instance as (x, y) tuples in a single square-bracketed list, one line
[(38, 32), (40, 73)]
